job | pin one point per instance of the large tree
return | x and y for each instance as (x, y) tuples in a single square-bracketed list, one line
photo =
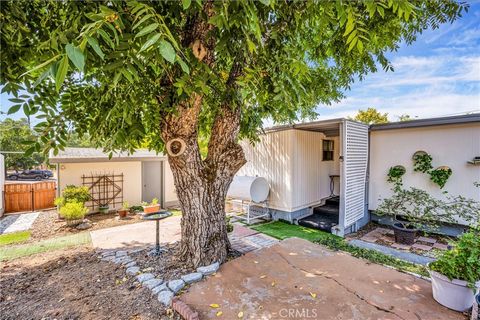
[(14, 138), (171, 72), (371, 116)]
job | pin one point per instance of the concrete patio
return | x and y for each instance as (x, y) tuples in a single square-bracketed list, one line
[(296, 279)]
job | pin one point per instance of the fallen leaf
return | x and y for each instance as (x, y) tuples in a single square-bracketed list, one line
[(255, 261), (263, 276), (273, 283), (314, 295), (214, 305), (240, 314), (219, 313)]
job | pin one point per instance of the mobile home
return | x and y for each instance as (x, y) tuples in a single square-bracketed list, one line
[(331, 174)]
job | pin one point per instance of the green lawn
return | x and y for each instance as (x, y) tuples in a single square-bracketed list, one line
[(14, 237), (17, 251), (282, 230)]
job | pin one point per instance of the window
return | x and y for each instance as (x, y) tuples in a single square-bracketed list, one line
[(327, 154)]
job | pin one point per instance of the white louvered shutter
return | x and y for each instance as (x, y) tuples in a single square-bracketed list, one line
[(355, 162)]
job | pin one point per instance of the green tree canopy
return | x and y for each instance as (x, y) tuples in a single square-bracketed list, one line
[(14, 134), (126, 72), (371, 116)]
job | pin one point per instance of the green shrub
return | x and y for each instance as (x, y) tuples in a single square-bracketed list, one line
[(229, 224), (73, 211), (463, 261), (154, 202), (74, 193)]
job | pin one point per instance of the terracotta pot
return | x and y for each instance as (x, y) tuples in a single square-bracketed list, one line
[(151, 208), (122, 213)]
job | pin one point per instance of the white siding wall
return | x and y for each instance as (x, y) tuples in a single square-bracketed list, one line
[(291, 161), (170, 192), (271, 158), (450, 145), (132, 176), (311, 179)]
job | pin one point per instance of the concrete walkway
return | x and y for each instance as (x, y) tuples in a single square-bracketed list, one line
[(296, 279), (17, 222), (137, 234)]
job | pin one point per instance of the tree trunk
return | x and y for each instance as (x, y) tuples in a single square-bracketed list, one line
[(202, 185)]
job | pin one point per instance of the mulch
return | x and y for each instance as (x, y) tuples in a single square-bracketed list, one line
[(48, 224), (75, 285)]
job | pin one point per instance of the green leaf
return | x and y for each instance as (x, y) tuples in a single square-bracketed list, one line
[(41, 65), (95, 46), (14, 109), (167, 51), (186, 4), (151, 41), (145, 18), (147, 29), (16, 100), (106, 37), (61, 73), (76, 56), (184, 66)]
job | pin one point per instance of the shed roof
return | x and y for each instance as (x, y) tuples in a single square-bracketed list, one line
[(70, 155), (461, 119)]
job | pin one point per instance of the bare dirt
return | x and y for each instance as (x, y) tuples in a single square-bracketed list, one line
[(74, 285), (49, 225)]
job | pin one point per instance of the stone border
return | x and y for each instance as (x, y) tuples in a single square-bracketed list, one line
[(164, 290)]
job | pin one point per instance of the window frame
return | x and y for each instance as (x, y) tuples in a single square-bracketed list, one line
[(328, 144)]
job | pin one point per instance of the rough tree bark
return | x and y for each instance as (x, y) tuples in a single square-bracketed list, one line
[(202, 185)]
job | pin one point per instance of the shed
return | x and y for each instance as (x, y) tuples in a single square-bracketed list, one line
[(453, 142), (317, 173), (134, 178)]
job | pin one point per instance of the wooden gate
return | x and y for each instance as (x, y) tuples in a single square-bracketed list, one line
[(29, 196)]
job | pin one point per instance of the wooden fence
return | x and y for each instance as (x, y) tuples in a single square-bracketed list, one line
[(29, 196)]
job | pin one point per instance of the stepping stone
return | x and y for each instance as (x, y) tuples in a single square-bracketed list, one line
[(127, 260), (176, 285), (109, 259), (144, 277), (165, 297), (122, 260), (130, 264), (369, 238), (121, 253), (133, 270), (426, 239), (401, 246), (382, 230), (152, 283), (207, 270), (159, 288), (107, 254), (421, 247), (440, 246), (192, 277)]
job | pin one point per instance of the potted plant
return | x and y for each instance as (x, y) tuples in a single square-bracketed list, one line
[(73, 212), (415, 209), (152, 207), (103, 208), (456, 274), (122, 213)]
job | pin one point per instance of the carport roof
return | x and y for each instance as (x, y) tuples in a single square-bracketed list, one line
[(70, 155)]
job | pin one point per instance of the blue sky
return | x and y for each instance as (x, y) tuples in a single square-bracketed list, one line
[(438, 75)]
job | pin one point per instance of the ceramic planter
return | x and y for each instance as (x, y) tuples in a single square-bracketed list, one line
[(453, 294), (103, 209), (404, 235), (151, 208)]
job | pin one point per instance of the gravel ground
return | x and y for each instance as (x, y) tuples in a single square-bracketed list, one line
[(74, 285)]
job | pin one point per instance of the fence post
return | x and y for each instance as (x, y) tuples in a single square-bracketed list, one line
[(33, 196)]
